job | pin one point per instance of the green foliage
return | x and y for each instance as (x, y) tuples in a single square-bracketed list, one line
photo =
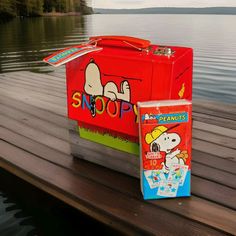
[(10, 8), (64, 5), (7, 8), (29, 7)]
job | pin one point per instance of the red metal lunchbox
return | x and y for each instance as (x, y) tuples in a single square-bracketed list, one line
[(106, 77)]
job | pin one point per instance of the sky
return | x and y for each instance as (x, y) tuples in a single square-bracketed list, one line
[(159, 3)]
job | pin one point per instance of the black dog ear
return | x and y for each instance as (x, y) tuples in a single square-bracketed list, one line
[(155, 147)]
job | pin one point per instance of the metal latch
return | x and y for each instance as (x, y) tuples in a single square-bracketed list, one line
[(163, 50)]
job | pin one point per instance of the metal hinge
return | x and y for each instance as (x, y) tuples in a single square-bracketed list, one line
[(163, 50)]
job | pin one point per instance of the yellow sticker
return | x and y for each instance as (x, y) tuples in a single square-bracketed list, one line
[(181, 91)]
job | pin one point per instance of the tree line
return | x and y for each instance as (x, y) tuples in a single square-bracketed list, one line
[(11, 8)]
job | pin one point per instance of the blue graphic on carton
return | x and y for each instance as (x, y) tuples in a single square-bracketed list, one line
[(165, 188)]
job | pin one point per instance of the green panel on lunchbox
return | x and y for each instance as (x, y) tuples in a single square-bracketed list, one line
[(108, 140)]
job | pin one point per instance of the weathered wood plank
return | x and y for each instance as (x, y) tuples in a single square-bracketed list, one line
[(214, 149), (42, 89), (215, 109), (39, 77), (213, 191), (47, 76), (36, 123), (215, 129), (42, 114), (33, 82), (34, 134), (221, 114), (26, 98), (35, 78), (222, 140), (218, 121), (214, 161), (37, 84), (216, 106), (39, 96), (38, 149), (58, 75), (216, 175), (133, 214)]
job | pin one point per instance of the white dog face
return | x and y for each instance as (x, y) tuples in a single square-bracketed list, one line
[(93, 85), (165, 142)]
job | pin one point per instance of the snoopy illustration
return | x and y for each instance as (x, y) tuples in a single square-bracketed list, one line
[(93, 86), (162, 141)]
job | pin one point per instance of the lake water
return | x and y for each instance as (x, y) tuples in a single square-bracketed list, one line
[(27, 211), (25, 42)]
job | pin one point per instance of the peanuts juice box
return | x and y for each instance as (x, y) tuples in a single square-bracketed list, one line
[(165, 134)]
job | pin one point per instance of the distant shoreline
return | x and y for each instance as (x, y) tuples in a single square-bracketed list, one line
[(170, 10), (45, 14), (61, 14)]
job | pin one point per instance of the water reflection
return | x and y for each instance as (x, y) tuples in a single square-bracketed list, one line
[(24, 42)]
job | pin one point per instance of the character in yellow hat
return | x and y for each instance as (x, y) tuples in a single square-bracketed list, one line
[(160, 140)]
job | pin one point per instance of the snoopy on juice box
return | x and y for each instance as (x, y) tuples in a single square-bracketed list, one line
[(165, 148)]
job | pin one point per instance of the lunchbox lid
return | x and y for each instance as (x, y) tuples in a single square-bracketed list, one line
[(128, 47), (95, 44)]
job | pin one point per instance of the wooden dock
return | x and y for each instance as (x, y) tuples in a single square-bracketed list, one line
[(34, 146)]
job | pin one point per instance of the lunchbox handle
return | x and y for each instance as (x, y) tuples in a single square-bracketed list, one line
[(131, 41)]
